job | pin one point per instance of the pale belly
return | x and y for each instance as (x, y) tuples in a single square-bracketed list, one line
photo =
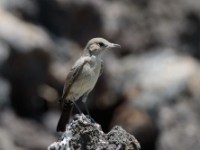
[(85, 81)]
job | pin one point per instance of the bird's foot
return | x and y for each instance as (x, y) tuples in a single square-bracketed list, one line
[(91, 119)]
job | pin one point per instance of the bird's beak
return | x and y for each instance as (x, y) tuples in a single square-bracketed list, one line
[(113, 45)]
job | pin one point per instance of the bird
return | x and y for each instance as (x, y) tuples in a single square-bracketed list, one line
[(82, 77)]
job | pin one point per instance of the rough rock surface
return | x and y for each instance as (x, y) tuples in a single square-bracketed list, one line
[(81, 133)]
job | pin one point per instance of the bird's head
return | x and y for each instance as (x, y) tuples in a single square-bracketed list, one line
[(97, 45)]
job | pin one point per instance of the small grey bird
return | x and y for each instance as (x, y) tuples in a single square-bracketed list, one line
[(82, 77)]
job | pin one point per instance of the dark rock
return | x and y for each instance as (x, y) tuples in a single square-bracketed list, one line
[(81, 133), (189, 39), (4, 92), (26, 72), (77, 20), (138, 123)]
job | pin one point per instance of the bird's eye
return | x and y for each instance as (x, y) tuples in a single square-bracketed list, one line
[(101, 44)]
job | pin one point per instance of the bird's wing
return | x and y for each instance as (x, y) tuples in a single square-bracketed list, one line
[(102, 67), (71, 77)]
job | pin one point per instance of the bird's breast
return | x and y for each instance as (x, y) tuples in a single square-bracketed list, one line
[(87, 79), (91, 71), (90, 74)]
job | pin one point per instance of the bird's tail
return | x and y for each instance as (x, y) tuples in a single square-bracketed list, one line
[(65, 116)]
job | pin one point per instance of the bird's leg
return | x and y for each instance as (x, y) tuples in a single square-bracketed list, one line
[(86, 108), (79, 110), (84, 99)]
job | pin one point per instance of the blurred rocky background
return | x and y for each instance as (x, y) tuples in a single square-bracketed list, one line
[(151, 87)]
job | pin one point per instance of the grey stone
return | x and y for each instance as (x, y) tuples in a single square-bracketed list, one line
[(179, 126), (158, 77), (81, 133)]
